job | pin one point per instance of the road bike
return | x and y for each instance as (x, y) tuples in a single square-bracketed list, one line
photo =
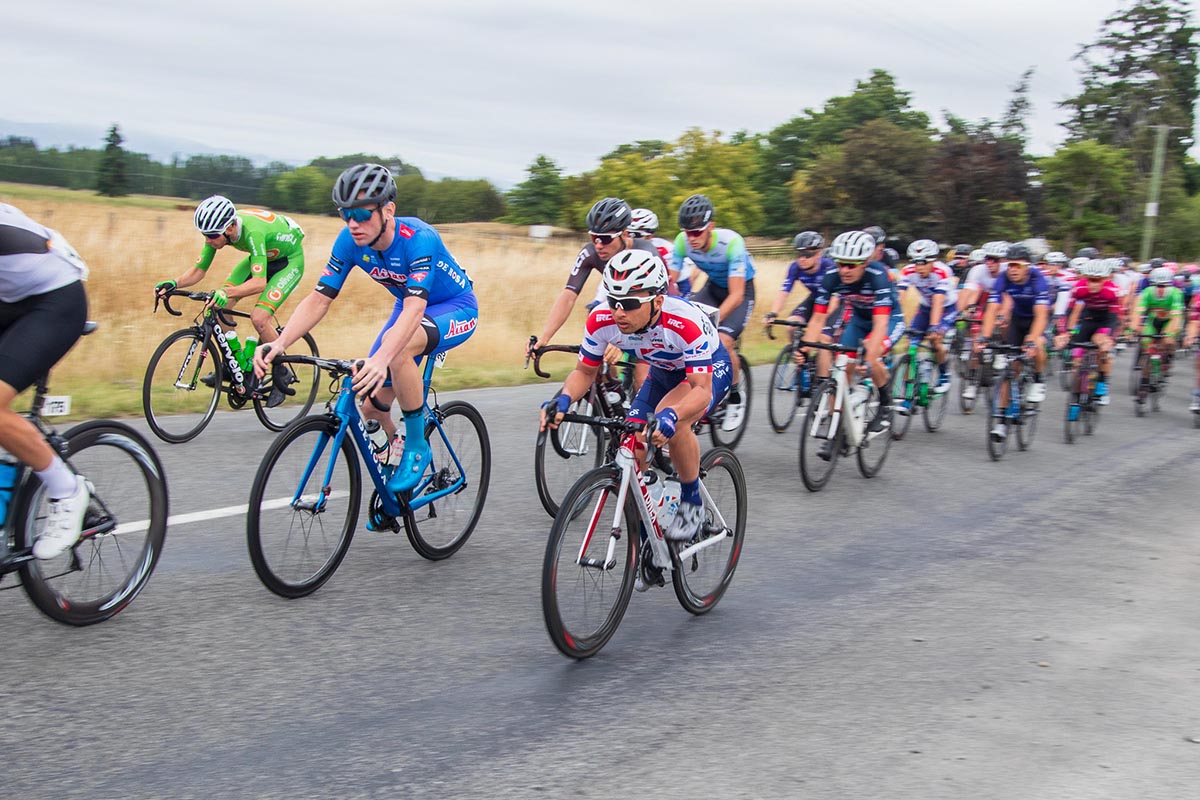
[(1082, 408), (179, 399), (714, 419), (790, 385), (1018, 412), (305, 498), (1149, 367), (563, 454), (609, 532), (123, 528), (914, 386), (836, 421), (968, 366)]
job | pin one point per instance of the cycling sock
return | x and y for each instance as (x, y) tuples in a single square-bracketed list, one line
[(690, 492), (58, 479), (1037, 377), (885, 395), (735, 397), (414, 425)]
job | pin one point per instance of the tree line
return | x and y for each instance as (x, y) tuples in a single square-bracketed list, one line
[(867, 157)]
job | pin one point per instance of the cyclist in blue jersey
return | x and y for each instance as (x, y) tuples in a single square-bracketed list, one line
[(808, 269), (720, 254), (875, 316), (434, 310)]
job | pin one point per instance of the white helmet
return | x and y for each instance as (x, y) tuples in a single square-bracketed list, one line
[(1057, 258), (1161, 276), (1100, 267), (923, 250), (1077, 264), (214, 214), (644, 224), (976, 256), (854, 246), (630, 271), (996, 250)]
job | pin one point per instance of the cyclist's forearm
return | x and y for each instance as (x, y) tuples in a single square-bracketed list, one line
[(190, 278), (252, 287), (936, 307), (780, 299), (1038, 328), (558, 315), (308, 313), (577, 382)]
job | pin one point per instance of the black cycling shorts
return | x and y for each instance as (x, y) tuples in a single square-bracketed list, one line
[(1089, 327), (35, 333), (714, 295), (1018, 329)]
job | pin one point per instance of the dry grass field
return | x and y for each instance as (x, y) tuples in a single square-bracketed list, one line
[(132, 243)]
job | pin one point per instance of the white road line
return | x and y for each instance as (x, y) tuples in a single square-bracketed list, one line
[(212, 513)]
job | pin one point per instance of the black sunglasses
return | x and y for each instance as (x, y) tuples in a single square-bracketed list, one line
[(214, 235), (628, 303), (805, 253)]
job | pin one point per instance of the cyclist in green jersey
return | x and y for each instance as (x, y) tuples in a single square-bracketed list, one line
[(1159, 310), (271, 270)]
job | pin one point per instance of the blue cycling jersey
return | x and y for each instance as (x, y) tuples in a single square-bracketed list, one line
[(809, 280), (725, 258), (417, 264), (1025, 296), (871, 294)]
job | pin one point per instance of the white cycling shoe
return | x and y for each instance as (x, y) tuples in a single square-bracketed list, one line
[(1037, 393), (970, 391), (64, 522), (999, 433), (686, 523), (733, 416)]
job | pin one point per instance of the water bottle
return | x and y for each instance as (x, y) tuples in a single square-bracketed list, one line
[(926, 372), (805, 380), (613, 393), (651, 481), (9, 470), (231, 338), (858, 397), (379, 439), (670, 502), (247, 355)]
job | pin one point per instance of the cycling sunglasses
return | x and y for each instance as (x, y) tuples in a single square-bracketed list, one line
[(360, 214), (628, 303), (603, 238), (805, 253), (697, 232), (850, 264), (214, 235)]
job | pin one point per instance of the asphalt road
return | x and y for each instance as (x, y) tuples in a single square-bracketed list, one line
[(954, 628)]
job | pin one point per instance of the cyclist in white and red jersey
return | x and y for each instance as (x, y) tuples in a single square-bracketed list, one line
[(690, 370), (974, 293), (42, 312), (934, 282), (1096, 306)]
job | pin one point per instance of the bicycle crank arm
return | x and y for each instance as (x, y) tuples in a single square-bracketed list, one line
[(698, 546), (595, 563)]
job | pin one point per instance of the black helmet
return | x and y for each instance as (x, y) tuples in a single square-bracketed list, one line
[(963, 250), (695, 213), (1088, 252), (372, 181), (1155, 263), (808, 240), (610, 215), (1018, 252), (877, 232)]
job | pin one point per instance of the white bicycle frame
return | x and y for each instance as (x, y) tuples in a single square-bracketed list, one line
[(855, 427), (648, 513)]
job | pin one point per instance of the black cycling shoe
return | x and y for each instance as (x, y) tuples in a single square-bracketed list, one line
[(882, 420), (281, 376), (209, 380), (826, 450)]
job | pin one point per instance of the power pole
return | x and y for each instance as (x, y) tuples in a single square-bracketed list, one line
[(1160, 151)]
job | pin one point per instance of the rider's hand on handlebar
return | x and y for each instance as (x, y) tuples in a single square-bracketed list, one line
[(553, 410), (369, 376), (162, 288), (531, 345)]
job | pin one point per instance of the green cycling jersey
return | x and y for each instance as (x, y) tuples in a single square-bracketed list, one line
[(265, 236), (1156, 305)]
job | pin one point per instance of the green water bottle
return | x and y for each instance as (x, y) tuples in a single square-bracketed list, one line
[(246, 357)]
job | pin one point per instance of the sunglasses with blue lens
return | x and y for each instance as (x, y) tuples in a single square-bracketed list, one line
[(356, 214)]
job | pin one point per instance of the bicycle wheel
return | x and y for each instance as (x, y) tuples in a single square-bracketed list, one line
[(299, 524), (818, 432), (996, 447), (873, 451), (176, 403), (783, 398), (123, 529), (1089, 414), (1028, 427), (295, 406), (700, 578), (935, 410), (462, 457), (903, 385), (562, 455), (721, 437), (584, 592), (1064, 369), (1071, 418)]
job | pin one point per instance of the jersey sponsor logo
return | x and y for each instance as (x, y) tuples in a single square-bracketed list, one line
[(366, 259), (579, 261), (417, 277), (675, 323), (327, 272), (459, 327), (385, 275), (461, 280), (404, 230), (272, 254), (275, 295), (424, 261)]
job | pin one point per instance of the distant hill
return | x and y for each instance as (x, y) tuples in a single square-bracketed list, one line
[(159, 148)]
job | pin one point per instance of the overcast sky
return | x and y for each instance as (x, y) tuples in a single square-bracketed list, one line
[(477, 89)]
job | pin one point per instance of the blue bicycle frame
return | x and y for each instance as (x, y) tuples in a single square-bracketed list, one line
[(346, 410)]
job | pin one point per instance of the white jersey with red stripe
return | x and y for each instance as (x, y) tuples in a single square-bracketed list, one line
[(940, 281), (683, 338)]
